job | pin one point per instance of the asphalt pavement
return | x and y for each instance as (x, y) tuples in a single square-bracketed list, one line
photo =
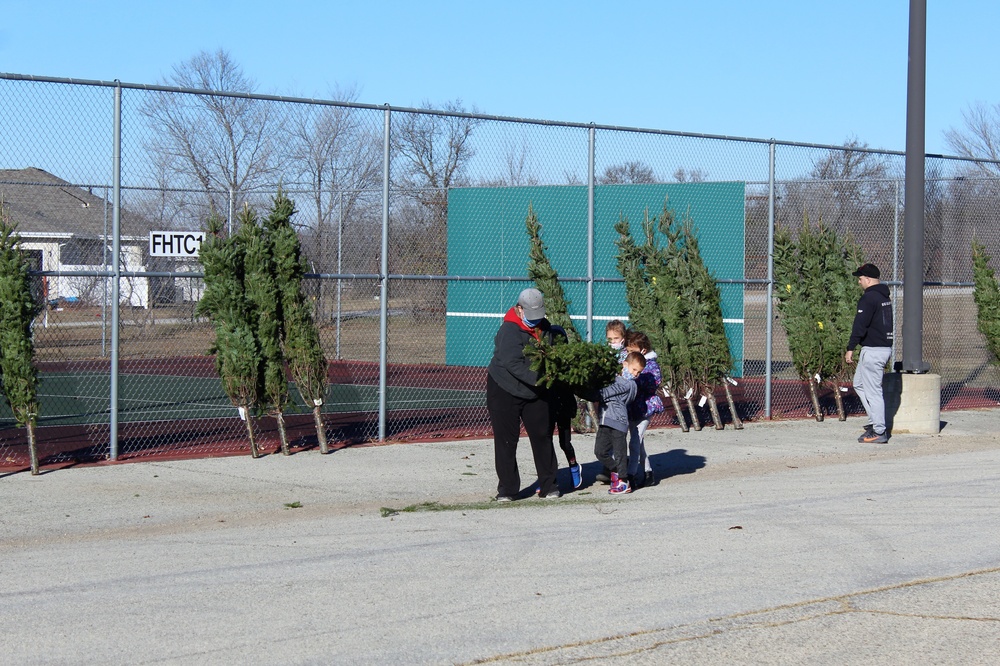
[(783, 543)]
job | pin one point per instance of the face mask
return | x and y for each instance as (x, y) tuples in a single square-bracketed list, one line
[(626, 374), (616, 345), (530, 323)]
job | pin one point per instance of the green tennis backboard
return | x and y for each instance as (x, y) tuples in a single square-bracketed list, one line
[(487, 237)]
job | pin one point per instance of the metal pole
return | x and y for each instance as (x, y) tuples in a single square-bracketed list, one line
[(104, 260), (384, 273), (769, 305), (232, 210), (590, 236), (116, 218), (913, 216), (895, 264), (340, 233)]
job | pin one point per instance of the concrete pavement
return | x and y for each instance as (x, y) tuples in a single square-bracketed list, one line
[(784, 543)]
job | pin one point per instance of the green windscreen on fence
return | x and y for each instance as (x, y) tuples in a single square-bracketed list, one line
[(487, 236)]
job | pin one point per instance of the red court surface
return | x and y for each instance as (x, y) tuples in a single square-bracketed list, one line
[(67, 446)]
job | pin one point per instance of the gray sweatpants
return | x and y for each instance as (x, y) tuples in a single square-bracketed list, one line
[(868, 383)]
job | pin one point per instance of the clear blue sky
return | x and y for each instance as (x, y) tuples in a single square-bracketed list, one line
[(801, 71)]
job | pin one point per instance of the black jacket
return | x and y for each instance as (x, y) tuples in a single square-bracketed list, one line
[(510, 369), (873, 322)]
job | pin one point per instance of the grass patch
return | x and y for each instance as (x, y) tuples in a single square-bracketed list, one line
[(293, 505), (387, 512)]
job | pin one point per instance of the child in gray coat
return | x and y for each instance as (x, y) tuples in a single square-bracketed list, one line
[(611, 443)]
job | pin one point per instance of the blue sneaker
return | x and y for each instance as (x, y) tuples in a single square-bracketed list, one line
[(577, 473)]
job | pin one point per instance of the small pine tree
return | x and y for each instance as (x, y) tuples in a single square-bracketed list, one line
[(583, 366), (261, 288), (987, 298), (237, 351), (546, 279), (674, 300), (17, 313), (303, 351), (817, 297), (710, 359)]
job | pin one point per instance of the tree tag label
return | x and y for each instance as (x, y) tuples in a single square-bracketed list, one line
[(704, 399), (243, 413)]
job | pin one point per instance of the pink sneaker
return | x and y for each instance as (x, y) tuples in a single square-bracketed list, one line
[(619, 486)]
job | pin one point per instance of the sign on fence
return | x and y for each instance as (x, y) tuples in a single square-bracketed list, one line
[(175, 243)]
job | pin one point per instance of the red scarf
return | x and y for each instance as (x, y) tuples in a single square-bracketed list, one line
[(513, 317)]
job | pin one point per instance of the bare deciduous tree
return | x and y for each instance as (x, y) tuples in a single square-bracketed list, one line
[(216, 143), (633, 172), (683, 175), (432, 150), (339, 154), (980, 138)]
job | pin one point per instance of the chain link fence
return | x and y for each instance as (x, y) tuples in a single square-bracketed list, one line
[(412, 225)]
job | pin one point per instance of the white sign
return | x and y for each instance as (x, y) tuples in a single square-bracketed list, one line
[(175, 243)]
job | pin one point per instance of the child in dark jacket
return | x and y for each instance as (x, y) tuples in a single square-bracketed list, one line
[(611, 444), (563, 409)]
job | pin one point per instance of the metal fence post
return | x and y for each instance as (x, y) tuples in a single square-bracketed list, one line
[(340, 235), (769, 306), (116, 218), (384, 277), (590, 235), (895, 261), (104, 264)]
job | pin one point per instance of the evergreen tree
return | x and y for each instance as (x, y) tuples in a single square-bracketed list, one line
[(817, 297), (987, 297), (652, 296), (674, 300), (238, 357), (302, 350), (261, 288), (583, 366), (710, 359), (17, 313), (546, 279)]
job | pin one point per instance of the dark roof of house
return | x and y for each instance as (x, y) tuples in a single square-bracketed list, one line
[(39, 202)]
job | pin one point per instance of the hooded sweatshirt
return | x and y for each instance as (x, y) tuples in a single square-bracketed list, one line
[(873, 322)]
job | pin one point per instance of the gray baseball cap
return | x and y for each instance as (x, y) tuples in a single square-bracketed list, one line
[(533, 303)]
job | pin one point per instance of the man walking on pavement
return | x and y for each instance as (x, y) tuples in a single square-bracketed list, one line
[(873, 331)]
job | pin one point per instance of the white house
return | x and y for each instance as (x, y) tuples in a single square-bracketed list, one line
[(66, 228)]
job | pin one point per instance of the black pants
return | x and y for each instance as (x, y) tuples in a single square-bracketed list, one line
[(562, 410), (507, 412), (611, 448)]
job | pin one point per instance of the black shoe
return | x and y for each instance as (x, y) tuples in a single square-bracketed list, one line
[(636, 481), (650, 479)]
